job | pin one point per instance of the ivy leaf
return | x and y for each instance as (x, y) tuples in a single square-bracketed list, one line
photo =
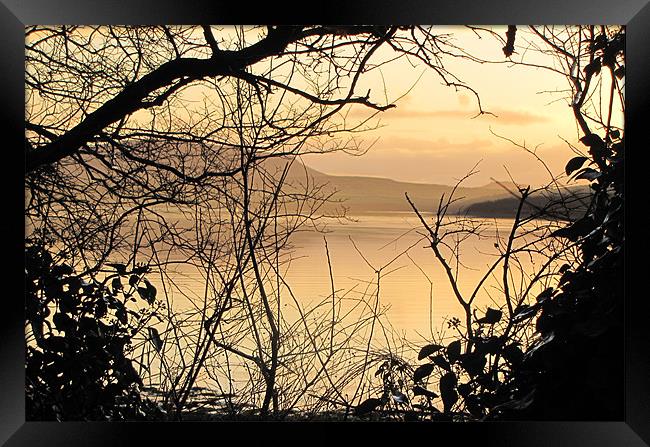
[(420, 391), (513, 354), (63, 322), (119, 268), (155, 339), (593, 67), (133, 280), (367, 406), (492, 316), (579, 228), (592, 140), (453, 351), (574, 164), (620, 72), (428, 350), (440, 361), (121, 315), (588, 174), (447, 390), (473, 363), (545, 295), (151, 291), (524, 312), (116, 284), (422, 371)]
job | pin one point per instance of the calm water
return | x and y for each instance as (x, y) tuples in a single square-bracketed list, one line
[(414, 289)]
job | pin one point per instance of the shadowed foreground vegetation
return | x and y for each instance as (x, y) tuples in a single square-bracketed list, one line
[(127, 179)]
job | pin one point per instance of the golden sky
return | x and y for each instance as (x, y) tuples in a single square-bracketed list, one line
[(433, 135)]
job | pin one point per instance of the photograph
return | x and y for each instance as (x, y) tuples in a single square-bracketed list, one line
[(324, 222)]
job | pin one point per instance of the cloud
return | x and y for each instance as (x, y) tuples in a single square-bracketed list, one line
[(417, 146), (501, 116)]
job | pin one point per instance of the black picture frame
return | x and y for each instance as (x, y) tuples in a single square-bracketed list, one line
[(634, 430)]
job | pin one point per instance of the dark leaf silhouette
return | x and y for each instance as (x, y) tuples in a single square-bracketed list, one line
[(422, 371), (473, 362), (367, 406), (155, 339), (453, 351), (447, 390), (428, 350), (593, 67), (492, 316), (579, 228), (440, 361), (545, 295), (133, 280), (592, 140), (513, 354), (588, 174), (63, 322), (420, 391), (524, 312), (119, 268), (116, 284), (574, 164), (151, 291)]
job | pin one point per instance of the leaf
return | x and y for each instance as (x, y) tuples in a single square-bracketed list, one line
[(119, 268), (545, 295), (100, 308), (63, 322), (579, 228), (492, 316), (588, 174), (574, 164), (428, 350), (464, 389), (420, 391), (447, 390), (116, 284), (539, 343), (151, 291), (473, 362), (592, 140), (367, 406), (593, 67), (620, 72), (133, 280), (509, 47), (440, 361), (121, 315), (56, 344), (524, 312), (513, 354), (154, 337), (422, 371), (453, 351), (144, 293)]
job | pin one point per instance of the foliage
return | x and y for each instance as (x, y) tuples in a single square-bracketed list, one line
[(80, 333), (576, 366)]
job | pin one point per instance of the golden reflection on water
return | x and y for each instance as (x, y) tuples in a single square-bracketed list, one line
[(414, 289)]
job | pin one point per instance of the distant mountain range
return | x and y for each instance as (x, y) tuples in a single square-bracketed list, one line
[(363, 195)]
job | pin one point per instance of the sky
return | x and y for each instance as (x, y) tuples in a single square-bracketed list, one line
[(434, 135)]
